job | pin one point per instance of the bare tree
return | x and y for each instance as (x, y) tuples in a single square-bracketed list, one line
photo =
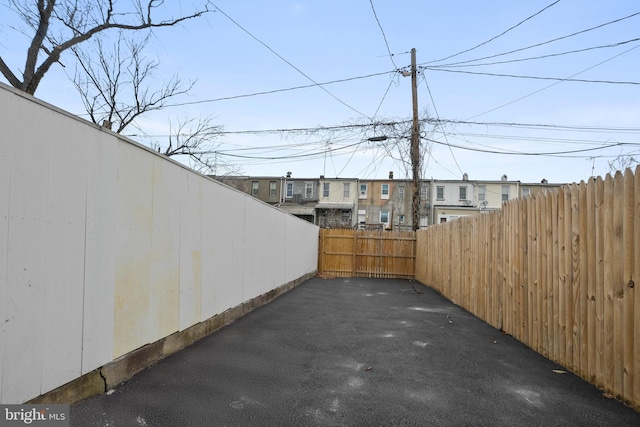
[(196, 140), (114, 83), (56, 26)]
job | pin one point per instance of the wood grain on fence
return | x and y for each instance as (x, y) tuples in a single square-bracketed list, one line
[(557, 271), (367, 253)]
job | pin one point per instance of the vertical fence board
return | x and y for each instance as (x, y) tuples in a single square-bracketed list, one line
[(618, 285), (568, 268), (628, 231), (599, 280), (608, 261), (577, 276), (548, 274), (590, 267), (636, 296), (555, 278), (500, 276), (562, 280), (532, 212)]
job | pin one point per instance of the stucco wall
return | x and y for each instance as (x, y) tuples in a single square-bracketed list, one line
[(106, 246)]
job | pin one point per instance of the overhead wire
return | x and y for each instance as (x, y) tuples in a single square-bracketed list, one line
[(553, 84), (423, 121), (525, 153), (499, 35), (269, 92), (435, 108), (383, 34), (288, 62), (557, 79), (550, 55), (538, 44)]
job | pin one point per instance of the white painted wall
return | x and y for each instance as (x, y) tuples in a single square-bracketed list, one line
[(106, 246)]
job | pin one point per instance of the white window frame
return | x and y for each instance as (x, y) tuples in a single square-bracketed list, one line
[(401, 192), (308, 190), (526, 192), (289, 190), (273, 189), (423, 192), (255, 187), (384, 191), (482, 193), (325, 189), (362, 191), (440, 189), (384, 212), (346, 190), (462, 189), (505, 193)]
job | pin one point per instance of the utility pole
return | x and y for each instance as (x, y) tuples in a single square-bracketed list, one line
[(415, 144)]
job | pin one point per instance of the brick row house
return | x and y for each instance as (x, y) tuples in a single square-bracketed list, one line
[(380, 203)]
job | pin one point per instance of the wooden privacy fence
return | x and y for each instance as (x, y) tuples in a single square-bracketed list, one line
[(557, 271), (364, 253)]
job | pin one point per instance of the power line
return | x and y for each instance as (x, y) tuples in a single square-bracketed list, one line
[(558, 79), (225, 153), (269, 92), (432, 121), (538, 44), (553, 84), (464, 64), (383, 34), (438, 116), (523, 153), (499, 35), (287, 62)]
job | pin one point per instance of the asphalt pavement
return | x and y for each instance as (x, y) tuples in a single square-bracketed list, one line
[(355, 352)]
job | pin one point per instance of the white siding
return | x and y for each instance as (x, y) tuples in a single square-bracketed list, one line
[(106, 246)]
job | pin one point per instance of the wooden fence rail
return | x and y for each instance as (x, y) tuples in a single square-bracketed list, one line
[(364, 253), (557, 271)]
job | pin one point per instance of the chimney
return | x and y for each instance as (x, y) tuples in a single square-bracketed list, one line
[(288, 174), (390, 174)]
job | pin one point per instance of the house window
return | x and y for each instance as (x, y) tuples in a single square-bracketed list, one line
[(401, 219), (385, 191), (440, 193), (384, 217), (463, 193), (346, 190), (325, 189), (289, 190), (254, 188), (423, 191), (272, 189), (526, 192), (308, 190), (401, 192), (363, 191), (505, 193), (482, 193)]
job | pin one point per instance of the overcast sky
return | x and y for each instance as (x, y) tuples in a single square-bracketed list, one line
[(561, 130)]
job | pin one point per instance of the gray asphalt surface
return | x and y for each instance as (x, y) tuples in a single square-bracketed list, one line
[(355, 352)]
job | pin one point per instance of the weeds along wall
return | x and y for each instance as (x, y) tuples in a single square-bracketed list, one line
[(106, 246), (559, 271)]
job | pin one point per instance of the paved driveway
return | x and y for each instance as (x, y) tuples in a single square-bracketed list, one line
[(355, 352)]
